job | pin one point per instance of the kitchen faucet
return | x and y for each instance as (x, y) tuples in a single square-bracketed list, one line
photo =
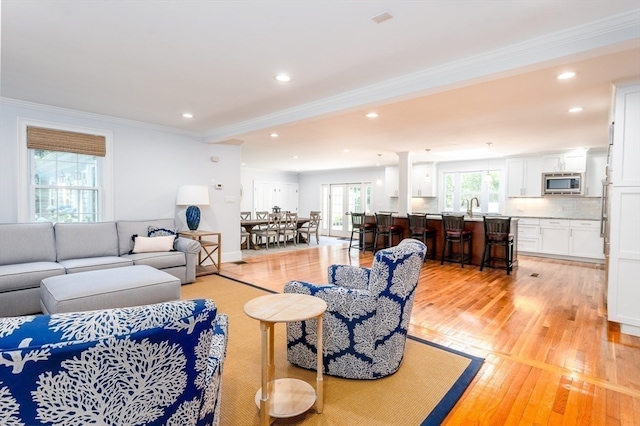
[(470, 205)]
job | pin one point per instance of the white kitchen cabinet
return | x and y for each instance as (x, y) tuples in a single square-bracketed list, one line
[(420, 185), (626, 137), (391, 181), (596, 172), (571, 161), (623, 297), (524, 177), (554, 236), (528, 235), (585, 240)]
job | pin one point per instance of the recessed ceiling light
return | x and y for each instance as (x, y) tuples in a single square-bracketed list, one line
[(283, 78), (372, 115), (575, 109), (295, 157), (566, 75), (187, 115), (346, 150), (273, 135)]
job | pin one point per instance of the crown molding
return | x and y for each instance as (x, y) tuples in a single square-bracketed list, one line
[(98, 117), (576, 40)]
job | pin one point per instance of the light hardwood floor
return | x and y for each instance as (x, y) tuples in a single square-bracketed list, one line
[(551, 357)]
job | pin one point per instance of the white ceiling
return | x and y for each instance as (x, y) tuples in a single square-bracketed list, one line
[(449, 75)]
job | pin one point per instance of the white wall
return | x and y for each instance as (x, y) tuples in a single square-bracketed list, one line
[(311, 186), (149, 163)]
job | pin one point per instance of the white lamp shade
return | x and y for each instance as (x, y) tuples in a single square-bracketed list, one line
[(193, 195)]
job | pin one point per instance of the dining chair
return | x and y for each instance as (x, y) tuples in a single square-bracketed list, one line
[(245, 236), (311, 227), (271, 230), (289, 227)]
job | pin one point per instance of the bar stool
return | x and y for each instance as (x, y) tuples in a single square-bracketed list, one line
[(386, 228), (418, 230), (362, 228), (497, 234), (454, 233)]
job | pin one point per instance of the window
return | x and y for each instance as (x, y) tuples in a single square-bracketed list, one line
[(65, 186), (67, 174), (462, 186)]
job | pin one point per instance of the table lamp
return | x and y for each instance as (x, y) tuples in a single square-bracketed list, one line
[(193, 196)]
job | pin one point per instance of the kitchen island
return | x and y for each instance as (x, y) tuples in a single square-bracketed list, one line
[(474, 224)]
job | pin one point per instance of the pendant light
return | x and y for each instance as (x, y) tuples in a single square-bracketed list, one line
[(427, 177), (487, 177)]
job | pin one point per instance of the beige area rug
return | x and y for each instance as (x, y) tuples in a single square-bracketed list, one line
[(425, 388)]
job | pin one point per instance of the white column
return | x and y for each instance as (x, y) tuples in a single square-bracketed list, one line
[(404, 182)]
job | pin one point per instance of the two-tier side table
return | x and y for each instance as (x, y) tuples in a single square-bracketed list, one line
[(286, 397), (210, 246)]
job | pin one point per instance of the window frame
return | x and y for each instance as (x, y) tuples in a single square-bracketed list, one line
[(26, 192), (484, 191)]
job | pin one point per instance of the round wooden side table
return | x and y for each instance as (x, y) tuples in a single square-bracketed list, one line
[(285, 397)]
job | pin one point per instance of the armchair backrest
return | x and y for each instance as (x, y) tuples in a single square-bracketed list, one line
[(140, 365), (395, 271)]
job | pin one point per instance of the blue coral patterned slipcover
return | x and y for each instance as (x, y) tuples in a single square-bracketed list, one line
[(368, 312), (149, 365)]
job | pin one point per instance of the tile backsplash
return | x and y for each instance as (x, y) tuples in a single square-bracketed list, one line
[(558, 207)]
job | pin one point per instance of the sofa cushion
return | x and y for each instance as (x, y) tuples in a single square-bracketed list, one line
[(127, 228), (82, 240), (151, 244), (27, 242), (154, 231), (27, 275), (159, 260), (94, 263)]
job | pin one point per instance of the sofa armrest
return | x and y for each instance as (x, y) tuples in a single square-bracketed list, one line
[(190, 248), (349, 276), (187, 245)]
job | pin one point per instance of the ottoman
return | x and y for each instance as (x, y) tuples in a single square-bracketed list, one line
[(107, 288)]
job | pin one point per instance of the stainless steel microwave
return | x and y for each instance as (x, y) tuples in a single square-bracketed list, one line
[(563, 184)]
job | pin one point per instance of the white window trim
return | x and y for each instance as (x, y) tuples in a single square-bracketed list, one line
[(25, 195)]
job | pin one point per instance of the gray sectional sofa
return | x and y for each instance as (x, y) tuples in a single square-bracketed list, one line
[(30, 252)]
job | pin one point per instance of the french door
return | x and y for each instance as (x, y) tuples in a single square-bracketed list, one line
[(341, 200)]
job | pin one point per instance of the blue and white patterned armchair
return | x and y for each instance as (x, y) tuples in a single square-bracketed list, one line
[(368, 312), (148, 365)]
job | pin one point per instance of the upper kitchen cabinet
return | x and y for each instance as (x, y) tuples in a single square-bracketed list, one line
[(391, 181), (624, 170), (423, 180), (572, 161), (524, 177), (596, 173)]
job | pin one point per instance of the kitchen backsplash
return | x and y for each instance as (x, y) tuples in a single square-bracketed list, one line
[(557, 207)]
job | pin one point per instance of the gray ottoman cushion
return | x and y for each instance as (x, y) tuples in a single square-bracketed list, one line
[(108, 288)]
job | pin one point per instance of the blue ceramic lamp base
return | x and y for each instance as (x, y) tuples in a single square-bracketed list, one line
[(193, 217)]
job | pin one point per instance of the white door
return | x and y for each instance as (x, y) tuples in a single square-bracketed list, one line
[(345, 198)]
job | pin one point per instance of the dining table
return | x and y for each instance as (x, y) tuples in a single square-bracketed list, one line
[(249, 224)]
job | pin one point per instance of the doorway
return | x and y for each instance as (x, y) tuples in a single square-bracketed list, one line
[(341, 199)]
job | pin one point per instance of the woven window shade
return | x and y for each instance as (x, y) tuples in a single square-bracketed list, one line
[(61, 140)]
